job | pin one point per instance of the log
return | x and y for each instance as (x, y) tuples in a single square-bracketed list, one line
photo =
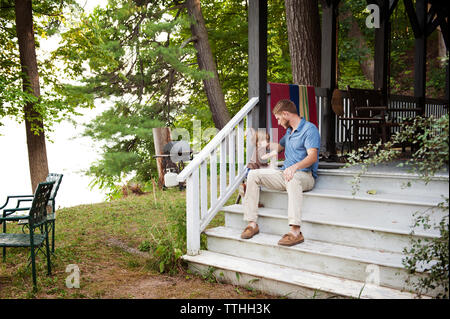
[(161, 136)]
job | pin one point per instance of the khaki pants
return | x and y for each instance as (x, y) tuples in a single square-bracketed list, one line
[(274, 179)]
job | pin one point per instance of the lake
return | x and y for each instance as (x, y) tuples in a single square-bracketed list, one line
[(68, 154)]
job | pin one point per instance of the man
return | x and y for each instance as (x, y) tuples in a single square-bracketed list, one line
[(298, 173)]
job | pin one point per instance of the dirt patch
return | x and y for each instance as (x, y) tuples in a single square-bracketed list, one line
[(181, 286)]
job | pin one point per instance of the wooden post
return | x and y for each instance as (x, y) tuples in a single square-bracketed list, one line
[(192, 214), (328, 71), (257, 57), (381, 54), (161, 136), (420, 53)]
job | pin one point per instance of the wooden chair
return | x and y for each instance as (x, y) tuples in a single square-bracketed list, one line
[(51, 217), (37, 220), (368, 115)]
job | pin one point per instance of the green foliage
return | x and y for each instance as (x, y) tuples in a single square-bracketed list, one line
[(434, 251), (169, 240), (127, 53), (227, 24), (50, 107), (430, 137), (350, 55)]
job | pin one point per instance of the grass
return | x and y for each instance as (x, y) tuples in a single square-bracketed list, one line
[(86, 236)]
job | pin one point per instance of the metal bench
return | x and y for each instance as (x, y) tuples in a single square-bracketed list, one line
[(37, 221), (51, 217)]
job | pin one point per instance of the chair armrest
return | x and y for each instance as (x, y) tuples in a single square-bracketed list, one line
[(360, 119), (404, 110), (371, 108), (9, 211), (15, 196), (13, 218), (23, 200)]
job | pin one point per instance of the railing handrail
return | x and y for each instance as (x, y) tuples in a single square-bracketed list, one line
[(215, 142)]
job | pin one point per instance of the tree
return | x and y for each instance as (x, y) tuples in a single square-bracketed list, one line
[(303, 26), (227, 25), (206, 62), (134, 62), (37, 152), (28, 84)]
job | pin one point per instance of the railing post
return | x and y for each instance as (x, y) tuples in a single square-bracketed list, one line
[(213, 177), (240, 147), (232, 156), (192, 214), (223, 167)]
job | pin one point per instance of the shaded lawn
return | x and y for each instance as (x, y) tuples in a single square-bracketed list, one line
[(83, 237)]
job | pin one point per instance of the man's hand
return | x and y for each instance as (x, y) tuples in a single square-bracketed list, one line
[(289, 172), (310, 159)]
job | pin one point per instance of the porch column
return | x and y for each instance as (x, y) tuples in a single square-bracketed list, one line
[(381, 54), (257, 57), (420, 52), (328, 71)]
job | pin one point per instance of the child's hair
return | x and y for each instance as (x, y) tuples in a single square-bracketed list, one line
[(285, 105), (257, 135), (261, 135)]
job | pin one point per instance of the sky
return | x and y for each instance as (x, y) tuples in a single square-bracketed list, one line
[(69, 153)]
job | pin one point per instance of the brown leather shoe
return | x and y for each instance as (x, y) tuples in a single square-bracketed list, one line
[(290, 239), (249, 232)]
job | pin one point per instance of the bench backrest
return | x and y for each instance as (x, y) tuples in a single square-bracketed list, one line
[(38, 210), (53, 177)]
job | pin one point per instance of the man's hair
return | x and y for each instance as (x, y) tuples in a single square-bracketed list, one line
[(285, 105)]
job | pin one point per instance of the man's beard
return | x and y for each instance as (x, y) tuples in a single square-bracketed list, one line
[(284, 123)]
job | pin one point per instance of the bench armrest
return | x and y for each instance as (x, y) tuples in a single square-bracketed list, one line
[(13, 218), (9, 211), (16, 196)]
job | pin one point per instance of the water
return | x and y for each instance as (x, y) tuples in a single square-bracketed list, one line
[(68, 154)]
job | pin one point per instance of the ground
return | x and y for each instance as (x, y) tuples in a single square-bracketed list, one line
[(113, 244)]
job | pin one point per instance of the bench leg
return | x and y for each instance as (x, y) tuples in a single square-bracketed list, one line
[(52, 225), (4, 248), (47, 247), (33, 267)]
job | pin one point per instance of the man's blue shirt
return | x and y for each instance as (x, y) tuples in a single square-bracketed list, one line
[(305, 136)]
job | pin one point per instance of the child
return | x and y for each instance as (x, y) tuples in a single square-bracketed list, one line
[(264, 152)]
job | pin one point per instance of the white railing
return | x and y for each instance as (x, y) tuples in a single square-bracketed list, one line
[(230, 146)]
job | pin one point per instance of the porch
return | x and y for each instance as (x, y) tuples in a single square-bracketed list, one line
[(354, 242)]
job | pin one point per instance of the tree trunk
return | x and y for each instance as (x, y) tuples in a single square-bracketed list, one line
[(37, 152), (303, 26), (206, 62), (442, 51), (367, 62), (161, 136)]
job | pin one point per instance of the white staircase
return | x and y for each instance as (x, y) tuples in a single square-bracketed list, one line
[(353, 242)]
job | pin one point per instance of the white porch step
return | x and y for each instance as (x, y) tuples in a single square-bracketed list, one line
[(273, 221), (286, 281), (382, 210), (383, 178), (351, 263)]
